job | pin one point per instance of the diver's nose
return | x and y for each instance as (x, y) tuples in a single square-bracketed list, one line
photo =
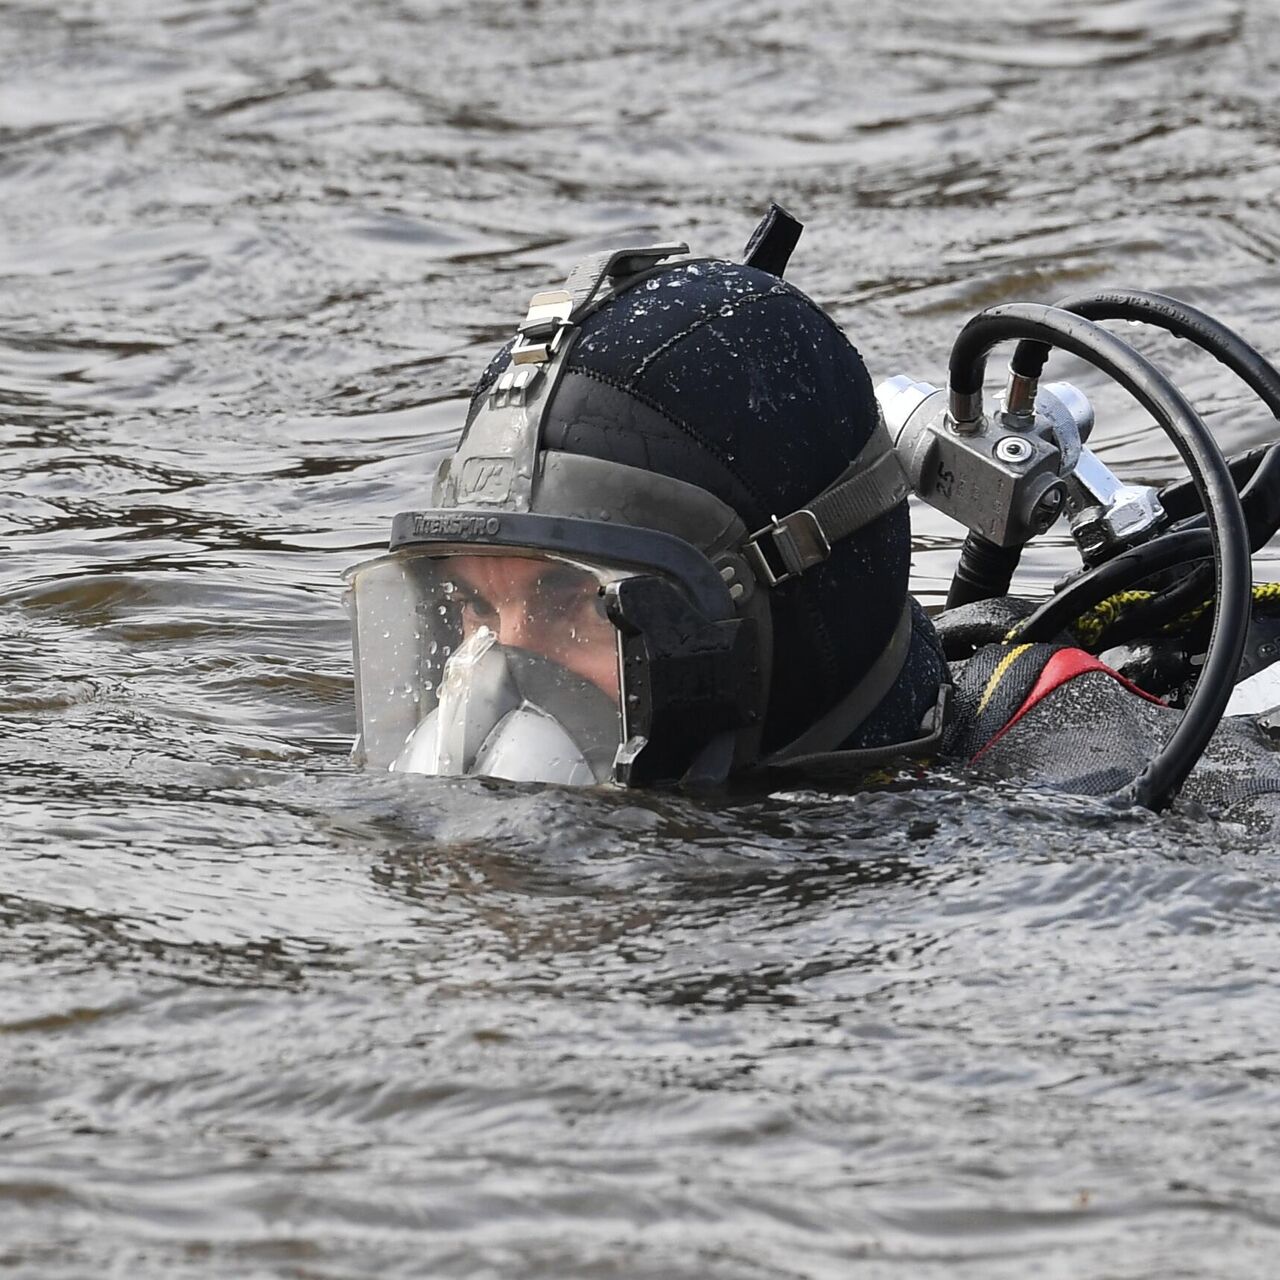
[(514, 630)]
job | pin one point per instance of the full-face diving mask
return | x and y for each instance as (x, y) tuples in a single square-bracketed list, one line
[(560, 618), (516, 661)]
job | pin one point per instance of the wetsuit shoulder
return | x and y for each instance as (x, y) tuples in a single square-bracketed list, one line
[(1003, 683), (1060, 718)]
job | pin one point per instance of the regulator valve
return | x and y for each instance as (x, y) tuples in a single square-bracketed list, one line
[(1001, 475)]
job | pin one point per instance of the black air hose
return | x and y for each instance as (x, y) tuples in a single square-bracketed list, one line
[(979, 576), (1260, 496), (1170, 550), (1156, 785), (1260, 501), (1178, 497), (1178, 318), (984, 572), (1210, 335)]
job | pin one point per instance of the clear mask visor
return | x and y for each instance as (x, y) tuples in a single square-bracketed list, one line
[(501, 665)]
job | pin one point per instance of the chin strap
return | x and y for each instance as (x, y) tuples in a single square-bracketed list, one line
[(843, 719), (855, 762)]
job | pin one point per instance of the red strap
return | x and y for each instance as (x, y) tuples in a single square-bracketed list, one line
[(1065, 665)]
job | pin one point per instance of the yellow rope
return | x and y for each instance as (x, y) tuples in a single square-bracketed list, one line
[(1089, 627)]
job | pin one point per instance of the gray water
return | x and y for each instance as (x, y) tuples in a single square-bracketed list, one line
[(263, 1016)]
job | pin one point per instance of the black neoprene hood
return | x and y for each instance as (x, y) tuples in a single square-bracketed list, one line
[(726, 377)]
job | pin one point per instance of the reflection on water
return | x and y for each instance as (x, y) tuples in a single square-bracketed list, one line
[(262, 1016)]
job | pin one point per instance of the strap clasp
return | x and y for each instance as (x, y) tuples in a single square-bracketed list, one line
[(787, 547), (542, 329)]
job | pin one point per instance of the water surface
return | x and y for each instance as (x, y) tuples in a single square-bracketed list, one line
[(263, 1016)]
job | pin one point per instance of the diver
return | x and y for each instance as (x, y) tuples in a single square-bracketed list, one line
[(673, 545)]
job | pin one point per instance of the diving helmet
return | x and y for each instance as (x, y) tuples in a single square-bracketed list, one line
[(602, 589)]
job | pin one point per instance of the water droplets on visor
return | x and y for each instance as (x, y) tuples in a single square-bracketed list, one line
[(497, 664)]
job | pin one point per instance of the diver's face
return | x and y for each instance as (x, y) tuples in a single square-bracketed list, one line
[(543, 607)]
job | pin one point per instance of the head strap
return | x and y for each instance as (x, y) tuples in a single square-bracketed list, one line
[(873, 484), (496, 461), (616, 266)]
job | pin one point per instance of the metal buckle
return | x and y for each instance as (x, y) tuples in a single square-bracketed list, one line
[(798, 543), (542, 329)]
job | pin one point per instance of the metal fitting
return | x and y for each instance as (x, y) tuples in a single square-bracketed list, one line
[(1049, 508), (1109, 513), (1014, 449), (1000, 478), (1020, 396), (965, 412), (1074, 402)]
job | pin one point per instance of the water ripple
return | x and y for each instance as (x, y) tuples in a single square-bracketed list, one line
[(262, 1015)]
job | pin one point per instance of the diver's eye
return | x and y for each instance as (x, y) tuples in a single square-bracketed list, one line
[(477, 608), (565, 590)]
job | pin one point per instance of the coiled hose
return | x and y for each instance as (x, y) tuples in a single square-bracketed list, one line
[(986, 570), (1157, 784), (1260, 497)]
